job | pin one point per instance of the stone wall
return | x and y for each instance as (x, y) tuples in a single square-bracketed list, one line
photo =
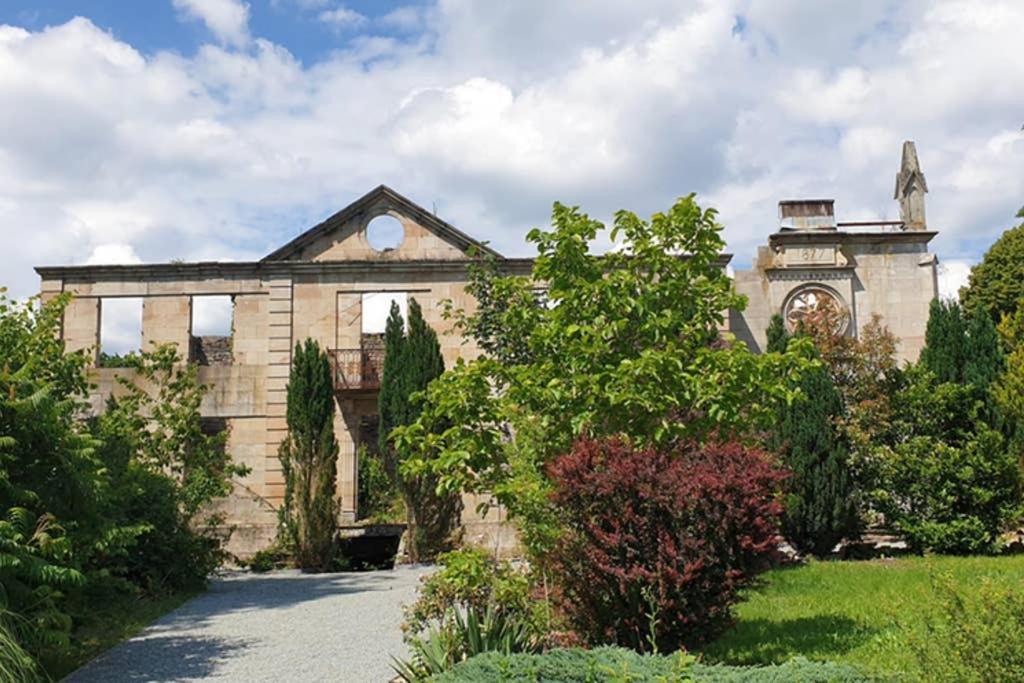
[(211, 350), (887, 274)]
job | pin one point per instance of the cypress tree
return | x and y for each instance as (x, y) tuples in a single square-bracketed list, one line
[(309, 457), (412, 361), (821, 506), (983, 356), (778, 337), (945, 336), (391, 405)]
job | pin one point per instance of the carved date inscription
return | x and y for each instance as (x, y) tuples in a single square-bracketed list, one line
[(811, 255)]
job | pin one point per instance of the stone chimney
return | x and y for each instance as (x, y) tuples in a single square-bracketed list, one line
[(807, 214), (910, 189)]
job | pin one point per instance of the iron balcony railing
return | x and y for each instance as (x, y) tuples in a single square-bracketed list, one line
[(356, 369)]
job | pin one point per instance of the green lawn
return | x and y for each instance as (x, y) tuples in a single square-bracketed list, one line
[(860, 613), (107, 618)]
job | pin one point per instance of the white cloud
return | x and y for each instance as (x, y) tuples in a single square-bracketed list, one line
[(228, 20), (112, 254), (342, 18), (492, 111), (953, 274)]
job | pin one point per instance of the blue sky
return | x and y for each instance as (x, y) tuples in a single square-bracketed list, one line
[(219, 129), (154, 25)]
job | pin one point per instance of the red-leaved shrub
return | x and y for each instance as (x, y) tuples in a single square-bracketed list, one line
[(659, 543)]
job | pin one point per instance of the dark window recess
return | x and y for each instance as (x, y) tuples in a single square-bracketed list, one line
[(211, 426), (369, 433), (211, 350)]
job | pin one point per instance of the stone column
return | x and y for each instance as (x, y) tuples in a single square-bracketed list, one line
[(82, 326), (167, 320), (346, 431)]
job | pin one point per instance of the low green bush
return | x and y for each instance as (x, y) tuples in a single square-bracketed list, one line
[(621, 665), (469, 580), (977, 637), (459, 638), (474, 604), (269, 559)]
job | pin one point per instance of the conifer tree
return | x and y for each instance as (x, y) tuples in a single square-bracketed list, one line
[(960, 348), (412, 361), (983, 355), (821, 505), (309, 460), (945, 337), (391, 407), (778, 337)]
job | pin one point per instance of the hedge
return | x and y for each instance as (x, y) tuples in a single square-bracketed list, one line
[(610, 663)]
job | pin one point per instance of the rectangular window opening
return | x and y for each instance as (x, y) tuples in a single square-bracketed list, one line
[(120, 330), (377, 308), (212, 330)]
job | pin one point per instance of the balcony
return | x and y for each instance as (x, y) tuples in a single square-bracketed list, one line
[(356, 370)]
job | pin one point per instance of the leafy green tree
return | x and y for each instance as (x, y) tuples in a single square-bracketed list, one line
[(411, 363), (997, 283), (46, 467), (778, 336), (505, 315), (96, 503), (950, 498), (821, 502), (942, 474), (627, 343), (163, 472), (309, 457)]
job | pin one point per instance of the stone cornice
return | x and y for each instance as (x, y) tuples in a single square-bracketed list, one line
[(842, 237), (810, 273), (263, 269), (270, 269)]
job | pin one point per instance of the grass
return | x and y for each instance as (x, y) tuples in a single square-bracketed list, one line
[(105, 619), (860, 613)]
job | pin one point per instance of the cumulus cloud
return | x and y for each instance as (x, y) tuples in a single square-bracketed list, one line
[(491, 111), (228, 20), (112, 254)]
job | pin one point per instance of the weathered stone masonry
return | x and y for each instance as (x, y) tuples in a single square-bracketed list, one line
[(315, 285)]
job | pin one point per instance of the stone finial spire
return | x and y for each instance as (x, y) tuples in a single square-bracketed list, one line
[(910, 189)]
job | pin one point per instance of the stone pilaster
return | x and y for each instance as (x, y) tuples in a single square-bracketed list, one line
[(279, 359)]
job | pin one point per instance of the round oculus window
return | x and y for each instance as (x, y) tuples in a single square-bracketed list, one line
[(816, 304), (385, 233)]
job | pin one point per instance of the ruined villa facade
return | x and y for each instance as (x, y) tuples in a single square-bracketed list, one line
[(318, 286)]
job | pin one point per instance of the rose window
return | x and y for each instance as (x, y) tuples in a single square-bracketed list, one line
[(816, 305)]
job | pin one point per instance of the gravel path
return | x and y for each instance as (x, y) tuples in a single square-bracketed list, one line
[(280, 627)]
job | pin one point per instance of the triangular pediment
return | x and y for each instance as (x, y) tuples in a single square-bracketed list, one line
[(342, 237)]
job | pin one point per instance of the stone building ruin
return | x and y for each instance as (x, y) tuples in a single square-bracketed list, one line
[(319, 285)]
